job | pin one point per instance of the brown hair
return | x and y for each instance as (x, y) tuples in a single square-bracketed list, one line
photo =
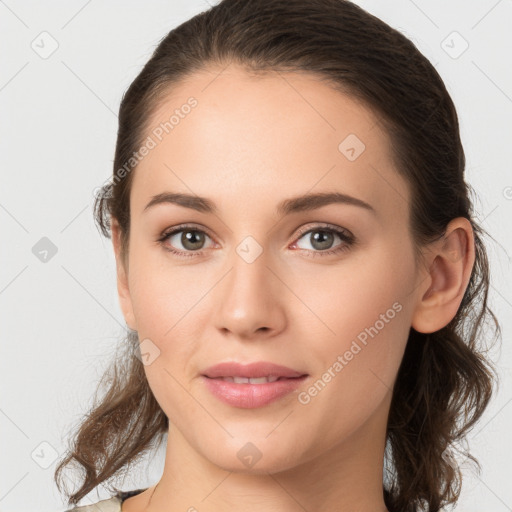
[(444, 382)]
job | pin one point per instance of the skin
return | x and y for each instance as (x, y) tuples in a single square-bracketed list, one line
[(250, 143)]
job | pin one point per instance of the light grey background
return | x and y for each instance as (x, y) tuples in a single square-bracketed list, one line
[(61, 319)]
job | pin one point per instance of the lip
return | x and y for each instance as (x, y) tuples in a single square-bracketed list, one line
[(251, 396), (257, 369), (246, 395)]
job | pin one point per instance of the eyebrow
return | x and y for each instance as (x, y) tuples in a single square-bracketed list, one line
[(292, 205)]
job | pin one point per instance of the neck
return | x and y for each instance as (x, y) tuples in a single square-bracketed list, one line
[(343, 478)]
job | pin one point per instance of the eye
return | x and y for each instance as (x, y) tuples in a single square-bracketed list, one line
[(322, 238), (191, 239)]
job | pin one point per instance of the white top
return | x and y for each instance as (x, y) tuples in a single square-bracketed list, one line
[(112, 504), (108, 505)]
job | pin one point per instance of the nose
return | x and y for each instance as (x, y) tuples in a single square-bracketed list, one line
[(250, 299)]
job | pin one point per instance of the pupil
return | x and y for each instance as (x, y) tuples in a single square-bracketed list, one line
[(191, 237), (319, 235)]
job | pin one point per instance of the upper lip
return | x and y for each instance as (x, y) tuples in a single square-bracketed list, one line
[(252, 370)]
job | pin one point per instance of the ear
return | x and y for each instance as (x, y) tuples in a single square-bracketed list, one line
[(450, 263), (122, 278)]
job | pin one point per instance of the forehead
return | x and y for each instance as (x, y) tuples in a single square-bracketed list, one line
[(227, 133)]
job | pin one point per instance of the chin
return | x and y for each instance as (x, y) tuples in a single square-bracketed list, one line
[(259, 457)]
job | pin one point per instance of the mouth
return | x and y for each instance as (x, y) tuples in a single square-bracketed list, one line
[(252, 392), (252, 373), (253, 380)]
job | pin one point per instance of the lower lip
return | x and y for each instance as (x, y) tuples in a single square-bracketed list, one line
[(250, 396)]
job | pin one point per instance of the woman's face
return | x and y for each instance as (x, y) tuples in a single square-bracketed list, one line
[(264, 276)]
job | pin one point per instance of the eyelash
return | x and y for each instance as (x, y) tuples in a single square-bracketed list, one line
[(346, 237)]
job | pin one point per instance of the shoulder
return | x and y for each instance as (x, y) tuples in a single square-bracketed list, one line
[(108, 505)]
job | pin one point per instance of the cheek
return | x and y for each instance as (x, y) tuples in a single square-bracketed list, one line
[(355, 370), (165, 304), (366, 316), (161, 297)]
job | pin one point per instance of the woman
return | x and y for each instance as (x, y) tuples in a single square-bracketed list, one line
[(299, 267)]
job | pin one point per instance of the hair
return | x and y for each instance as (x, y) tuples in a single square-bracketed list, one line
[(445, 381)]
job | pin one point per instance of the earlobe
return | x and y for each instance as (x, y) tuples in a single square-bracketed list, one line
[(123, 289), (451, 262)]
